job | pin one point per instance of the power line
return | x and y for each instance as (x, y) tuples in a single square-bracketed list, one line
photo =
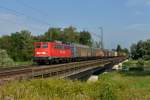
[(32, 8), (22, 14), (100, 36), (92, 33), (12, 22)]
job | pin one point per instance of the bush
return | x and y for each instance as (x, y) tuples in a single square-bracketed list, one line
[(5, 60), (146, 57), (127, 63), (140, 64), (125, 68)]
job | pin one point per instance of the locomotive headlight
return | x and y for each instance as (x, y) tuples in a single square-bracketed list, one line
[(43, 53), (38, 53)]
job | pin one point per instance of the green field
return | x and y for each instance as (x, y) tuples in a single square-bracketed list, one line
[(110, 86)]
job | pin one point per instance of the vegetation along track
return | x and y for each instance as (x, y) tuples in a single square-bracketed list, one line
[(52, 70)]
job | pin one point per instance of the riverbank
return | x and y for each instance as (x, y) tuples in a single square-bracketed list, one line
[(131, 62)]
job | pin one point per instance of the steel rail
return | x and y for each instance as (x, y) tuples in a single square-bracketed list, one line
[(53, 70), (36, 68)]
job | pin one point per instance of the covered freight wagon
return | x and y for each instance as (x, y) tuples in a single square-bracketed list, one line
[(81, 50), (99, 52)]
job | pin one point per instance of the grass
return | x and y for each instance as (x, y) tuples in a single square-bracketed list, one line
[(129, 85), (23, 63), (55, 89), (110, 86)]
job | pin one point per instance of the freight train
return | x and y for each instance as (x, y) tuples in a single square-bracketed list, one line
[(50, 52)]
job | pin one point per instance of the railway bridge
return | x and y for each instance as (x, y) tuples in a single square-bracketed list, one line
[(73, 70)]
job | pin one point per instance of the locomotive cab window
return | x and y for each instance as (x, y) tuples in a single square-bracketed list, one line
[(45, 45), (38, 45)]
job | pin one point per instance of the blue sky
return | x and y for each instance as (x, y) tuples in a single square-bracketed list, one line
[(124, 21)]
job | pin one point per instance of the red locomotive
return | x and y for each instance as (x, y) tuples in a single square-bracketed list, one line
[(47, 52)]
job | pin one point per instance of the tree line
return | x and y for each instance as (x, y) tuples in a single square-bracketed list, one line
[(121, 50), (141, 50), (19, 45)]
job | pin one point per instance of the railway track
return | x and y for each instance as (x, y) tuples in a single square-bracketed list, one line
[(51, 70)]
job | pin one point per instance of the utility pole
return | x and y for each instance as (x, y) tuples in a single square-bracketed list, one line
[(102, 44)]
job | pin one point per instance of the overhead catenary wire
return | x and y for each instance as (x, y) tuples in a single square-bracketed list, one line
[(30, 17), (22, 14), (98, 36), (92, 33), (19, 24), (33, 8)]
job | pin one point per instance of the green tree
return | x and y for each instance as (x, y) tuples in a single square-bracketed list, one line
[(6, 43), (39, 38), (71, 35), (133, 51), (21, 46), (68, 34), (52, 34), (141, 50), (125, 50), (27, 45), (119, 48), (85, 38), (5, 60)]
